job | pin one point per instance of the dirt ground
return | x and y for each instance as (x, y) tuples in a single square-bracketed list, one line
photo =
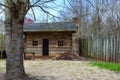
[(66, 70)]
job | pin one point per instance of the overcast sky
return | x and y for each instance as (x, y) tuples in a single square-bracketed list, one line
[(52, 8)]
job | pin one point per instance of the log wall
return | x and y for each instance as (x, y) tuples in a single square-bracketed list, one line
[(53, 38)]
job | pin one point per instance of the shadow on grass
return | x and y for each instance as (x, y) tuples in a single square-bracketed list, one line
[(2, 77), (42, 78)]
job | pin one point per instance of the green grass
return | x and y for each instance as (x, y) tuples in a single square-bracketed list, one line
[(2, 65), (1, 69), (107, 65)]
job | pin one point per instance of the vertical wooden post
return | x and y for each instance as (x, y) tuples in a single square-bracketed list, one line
[(0, 55)]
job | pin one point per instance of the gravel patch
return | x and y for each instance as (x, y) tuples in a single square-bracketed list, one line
[(67, 70)]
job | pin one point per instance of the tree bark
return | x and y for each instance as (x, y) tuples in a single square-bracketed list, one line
[(14, 50), (14, 20)]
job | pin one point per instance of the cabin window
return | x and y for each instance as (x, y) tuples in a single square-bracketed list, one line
[(34, 43), (61, 43)]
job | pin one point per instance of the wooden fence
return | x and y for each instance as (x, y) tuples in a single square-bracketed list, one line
[(103, 48), (2, 45), (2, 41)]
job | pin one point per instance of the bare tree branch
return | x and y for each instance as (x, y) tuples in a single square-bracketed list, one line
[(35, 3), (41, 1), (43, 9), (91, 3), (5, 5), (33, 13)]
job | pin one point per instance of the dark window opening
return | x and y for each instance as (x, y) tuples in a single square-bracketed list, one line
[(60, 43), (34, 43)]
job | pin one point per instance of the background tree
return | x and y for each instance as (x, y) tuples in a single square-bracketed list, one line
[(98, 27), (77, 9)]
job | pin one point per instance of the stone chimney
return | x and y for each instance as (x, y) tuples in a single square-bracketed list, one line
[(75, 20), (75, 37)]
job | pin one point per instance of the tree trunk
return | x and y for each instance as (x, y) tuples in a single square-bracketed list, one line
[(14, 50), (14, 20)]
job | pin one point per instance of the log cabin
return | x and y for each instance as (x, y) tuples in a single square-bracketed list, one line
[(48, 39)]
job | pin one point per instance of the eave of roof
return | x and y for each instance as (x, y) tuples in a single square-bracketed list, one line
[(50, 31)]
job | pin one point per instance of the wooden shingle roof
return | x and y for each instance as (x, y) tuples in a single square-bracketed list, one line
[(59, 26)]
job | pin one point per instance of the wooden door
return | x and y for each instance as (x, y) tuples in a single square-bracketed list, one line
[(45, 47)]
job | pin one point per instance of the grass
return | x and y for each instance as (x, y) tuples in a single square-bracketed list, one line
[(2, 65), (107, 65)]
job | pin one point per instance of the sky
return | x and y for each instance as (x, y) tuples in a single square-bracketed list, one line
[(40, 16), (52, 8)]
